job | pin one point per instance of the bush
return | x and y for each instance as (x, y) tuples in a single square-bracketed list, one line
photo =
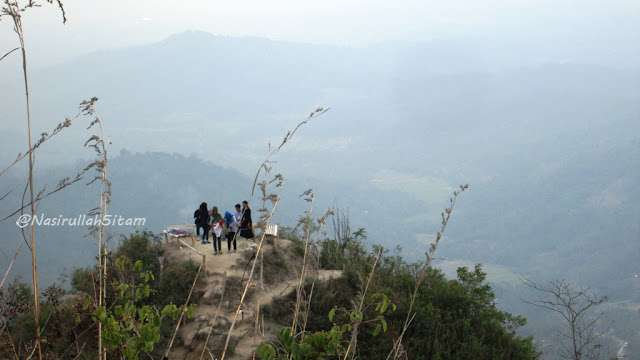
[(70, 324), (455, 319), (83, 279), (144, 246), (274, 264), (174, 283)]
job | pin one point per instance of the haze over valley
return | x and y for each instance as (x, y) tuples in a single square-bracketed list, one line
[(547, 137)]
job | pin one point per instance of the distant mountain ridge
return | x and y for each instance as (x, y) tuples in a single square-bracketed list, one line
[(195, 90), (533, 140)]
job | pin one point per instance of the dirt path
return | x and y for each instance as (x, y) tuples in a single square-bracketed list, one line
[(245, 336)]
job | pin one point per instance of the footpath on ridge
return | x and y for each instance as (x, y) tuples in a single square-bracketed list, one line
[(245, 336)]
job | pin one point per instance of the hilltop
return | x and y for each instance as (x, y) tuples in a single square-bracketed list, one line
[(280, 279)]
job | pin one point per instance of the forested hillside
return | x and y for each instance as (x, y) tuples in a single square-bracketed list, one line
[(450, 318)]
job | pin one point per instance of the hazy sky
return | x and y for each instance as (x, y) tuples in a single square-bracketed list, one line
[(98, 24)]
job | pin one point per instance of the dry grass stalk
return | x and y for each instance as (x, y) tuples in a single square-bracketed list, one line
[(307, 222), (98, 230), (184, 309), (310, 197), (267, 215), (13, 260), (256, 329), (257, 324), (36, 306), (319, 111), (9, 53), (264, 219), (309, 247), (13, 347), (308, 306), (322, 222), (215, 316), (250, 278), (14, 11), (354, 332), (304, 271), (86, 109), (423, 271)]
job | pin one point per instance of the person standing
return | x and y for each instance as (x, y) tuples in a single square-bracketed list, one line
[(216, 230), (238, 213), (232, 225), (246, 224), (196, 218), (204, 222)]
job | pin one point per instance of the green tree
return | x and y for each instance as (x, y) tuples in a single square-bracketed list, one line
[(329, 344), (131, 327), (455, 319)]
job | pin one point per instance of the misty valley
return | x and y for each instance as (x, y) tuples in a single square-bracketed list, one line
[(383, 251)]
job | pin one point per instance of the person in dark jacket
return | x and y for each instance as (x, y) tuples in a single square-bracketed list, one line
[(196, 218), (246, 225), (204, 222)]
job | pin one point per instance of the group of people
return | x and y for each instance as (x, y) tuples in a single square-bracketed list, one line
[(237, 224)]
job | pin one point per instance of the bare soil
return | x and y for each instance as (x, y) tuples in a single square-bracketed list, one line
[(247, 333)]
